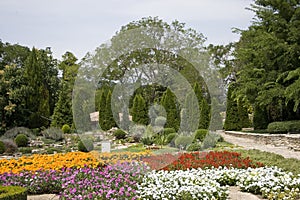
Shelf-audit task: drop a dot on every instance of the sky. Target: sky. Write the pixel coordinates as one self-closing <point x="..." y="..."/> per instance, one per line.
<point x="79" y="26"/>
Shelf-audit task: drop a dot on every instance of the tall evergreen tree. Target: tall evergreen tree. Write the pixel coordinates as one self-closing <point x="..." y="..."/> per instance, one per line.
<point x="232" y="122"/>
<point x="139" y="110"/>
<point x="102" y="108"/>
<point x="37" y="100"/>
<point x="243" y="114"/>
<point x="63" y="111"/>
<point x="109" y="118"/>
<point x="204" y="108"/>
<point x="168" y="101"/>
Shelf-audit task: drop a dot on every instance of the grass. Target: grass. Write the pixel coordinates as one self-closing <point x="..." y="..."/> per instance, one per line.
<point x="272" y="159"/>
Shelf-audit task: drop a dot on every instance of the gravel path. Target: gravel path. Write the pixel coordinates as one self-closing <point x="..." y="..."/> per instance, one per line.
<point x="246" y="143"/>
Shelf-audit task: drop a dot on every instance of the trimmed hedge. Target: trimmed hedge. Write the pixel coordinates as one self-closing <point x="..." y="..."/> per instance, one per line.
<point x="13" y="193"/>
<point x="120" y="134"/>
<point x="284" y="127"/>
<point x="21" y="140"/>
<point x="66" y="129"/>
<point x="200" y="134"/>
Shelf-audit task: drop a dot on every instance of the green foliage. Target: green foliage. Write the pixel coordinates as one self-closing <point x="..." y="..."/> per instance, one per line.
<point x="232" y="122"/>
<point x="107" y="116"/>
<point x="170" y="138"/>
<point x="2" y="147"/>
<point x="13" y="193"/>
<point x="120" y="134"/>
<point x="10" y="146"/>
<point x="102" y="108"/>
<point x="53" y="133"/>
<point x="168" y="101"/>
<point x="216" y="118"/>
<point x="244" y="120"/>
<point x="66" y="128"/>
<point x="211" y="140"/>
<point x="52" y="150"/>
<point x="284" y="127"/>
<point x="85" y="145"/>
<point x="260" y="118"/>
<point x="139" y="110"/>
<point x="267" y="61"/>
<point x="26" y="150"/>
<point x="168" y="131"/>
<point x="200" y="134"/>
<point x="148" y="140"/>
<point x="183" y="141"/>
<point x="194" y="147"/>
<point x="21" y="140"/>
<point x="160" y="121"/>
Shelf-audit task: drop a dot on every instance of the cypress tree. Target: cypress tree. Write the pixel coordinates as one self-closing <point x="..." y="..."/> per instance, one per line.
<point x="204" y="108"/>
<point x="232" y="122"/>
<point x="102" y="109"/>
<point x="173" y="115"/>
<point x="139" y="110"/>
<point x="260" y="118"/>
<point x="109" y="118"/>
<point x="243" y="114"/>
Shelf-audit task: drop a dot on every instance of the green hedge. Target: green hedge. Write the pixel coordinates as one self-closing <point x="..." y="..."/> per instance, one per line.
<point x="284" y="127"/>
<point x="13" y="193"/>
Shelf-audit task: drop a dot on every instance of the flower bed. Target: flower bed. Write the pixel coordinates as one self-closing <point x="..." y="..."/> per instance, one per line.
<point x="134" y="180"/>
<point x="73" y="159"/>
<point x="200" y="160"/>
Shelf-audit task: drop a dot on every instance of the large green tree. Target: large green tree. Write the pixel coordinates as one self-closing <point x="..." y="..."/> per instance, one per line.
<point x="267" y="56"/>
<point x="139" y="110"/>
<point x="169" y="102"/>
<point x="63" y="111"/>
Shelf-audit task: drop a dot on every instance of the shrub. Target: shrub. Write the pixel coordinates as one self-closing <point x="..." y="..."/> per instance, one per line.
<point x="200" y="134"/>
<point x="137" y="132"/>
<point x="170" y="138"/>
<point x="21" y="140"/>
<point x="168" y="131"/>
<point x="52" y="149"/>
<point x="85" y="145"/>
<point x="194" y="147"/>
<point x="66" y="129"/>
<point x="183" y="141"/>
<point x="25" y="150"/>
<point x="147" y="140"/>
<point x="284" y="127"/>
<point x="12" y="133"/>
<point x="10" y="146"/>
<point x="53" y="133"/>
<point x="13" y="193"/>
<point x="120" y="134"/>
<point x="160" y="121"/>
<point x="2" y="147"/>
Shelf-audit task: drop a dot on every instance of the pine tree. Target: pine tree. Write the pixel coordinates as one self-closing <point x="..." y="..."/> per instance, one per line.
<point x="173" y="115"/>
<point x="102" y="108"/>
<point x="109" y="118"/>
<point x="243" y="114"/>
<point x="232" y="122"/>
<point x="139" y="110"/>
<point x="204" y="108"/>
<point x="37" y="100"/>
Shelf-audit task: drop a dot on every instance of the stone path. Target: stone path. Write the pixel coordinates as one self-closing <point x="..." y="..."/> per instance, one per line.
<point x="246" y="143"/>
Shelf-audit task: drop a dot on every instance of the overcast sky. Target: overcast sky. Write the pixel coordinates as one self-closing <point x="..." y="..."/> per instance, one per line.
<point x="80" y="26"/>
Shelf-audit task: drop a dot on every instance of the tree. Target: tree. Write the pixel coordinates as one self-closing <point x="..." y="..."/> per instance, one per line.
<point x="168" y="101"/>
<point x="232" y="122"/>
<point x="109" y="118"/>
<point x="243" y="114"/>
<point x="102" y="108"/>
<point x="267" y="55"/>
<point x="204" y="108"/>
<point x="63" y="110"/>
<point x="37" y="101"/>
<point x="139" y="110"/>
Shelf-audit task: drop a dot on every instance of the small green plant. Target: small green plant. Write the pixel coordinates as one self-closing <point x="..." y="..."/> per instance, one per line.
<point x="171" y="137"/>
<point x="52" y="150"/>
<point x="194" y="147"/>
<point x="120" y="134"/>
<point x="200" y="134"/>
<point x="25" y="150"/>
<point x="21" y="140"/>
<point x="147" y="140"/>
<point x="13" y="193"/>
<point x="85" y="145"/>
<point x="168" y="131"/>
<point x="2" y="147"/>
<point x="183" y="141"/>
<point x="66" y="129"/>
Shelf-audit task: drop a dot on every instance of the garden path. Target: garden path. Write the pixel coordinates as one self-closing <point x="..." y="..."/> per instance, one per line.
<point x="246" y="143"/>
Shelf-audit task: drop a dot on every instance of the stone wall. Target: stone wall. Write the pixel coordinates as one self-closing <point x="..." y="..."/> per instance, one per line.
<point x="292" y="141"/>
